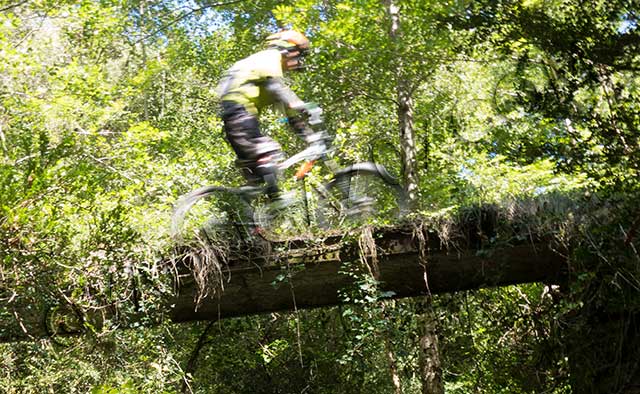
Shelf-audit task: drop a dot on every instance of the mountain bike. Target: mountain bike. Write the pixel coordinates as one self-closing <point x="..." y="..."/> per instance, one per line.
<point x="327" y="199"/>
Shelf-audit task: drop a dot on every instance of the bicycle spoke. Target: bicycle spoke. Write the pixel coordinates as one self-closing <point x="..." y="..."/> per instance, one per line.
<point x="225" y="216"/>
<point x="282" y="224"/>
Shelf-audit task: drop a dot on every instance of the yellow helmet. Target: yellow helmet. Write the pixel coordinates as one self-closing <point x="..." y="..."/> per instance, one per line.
<point x="289" y="40"/>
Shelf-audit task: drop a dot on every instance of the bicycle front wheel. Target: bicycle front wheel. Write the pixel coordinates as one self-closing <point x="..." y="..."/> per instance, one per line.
<point x="359" y="194"/>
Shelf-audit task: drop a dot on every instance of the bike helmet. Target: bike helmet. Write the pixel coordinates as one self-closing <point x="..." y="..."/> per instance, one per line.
<point x="289" y="41"/>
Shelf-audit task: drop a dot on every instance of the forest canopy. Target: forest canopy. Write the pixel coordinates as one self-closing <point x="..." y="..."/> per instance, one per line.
<point x="109" y="114"/>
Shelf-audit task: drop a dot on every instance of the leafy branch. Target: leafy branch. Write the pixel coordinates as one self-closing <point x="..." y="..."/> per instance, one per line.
<point x="185" y="15"/>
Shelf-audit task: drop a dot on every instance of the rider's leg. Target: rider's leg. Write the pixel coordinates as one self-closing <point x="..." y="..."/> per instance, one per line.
<point x="255" y="152"/>
<point x="266" y="169"/>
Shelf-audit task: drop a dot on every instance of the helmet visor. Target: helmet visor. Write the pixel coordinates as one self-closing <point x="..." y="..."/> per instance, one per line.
<point x="298" y="55"/>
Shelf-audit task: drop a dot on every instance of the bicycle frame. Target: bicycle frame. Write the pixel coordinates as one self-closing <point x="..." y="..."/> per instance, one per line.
<point x="313" y="154"/>
<point x="309" y="156"/>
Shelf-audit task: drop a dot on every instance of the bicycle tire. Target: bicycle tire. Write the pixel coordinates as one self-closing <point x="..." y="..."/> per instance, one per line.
<point x="292" y="222"/>
<point x="228" y="216"/>
<point x="358" y="194"/>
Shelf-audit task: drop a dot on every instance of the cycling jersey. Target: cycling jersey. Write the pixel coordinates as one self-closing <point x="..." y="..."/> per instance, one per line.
<point x="256" y="82"/>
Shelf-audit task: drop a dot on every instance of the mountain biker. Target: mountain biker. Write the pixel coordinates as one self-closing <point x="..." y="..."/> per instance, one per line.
<point x="253" y="84"/>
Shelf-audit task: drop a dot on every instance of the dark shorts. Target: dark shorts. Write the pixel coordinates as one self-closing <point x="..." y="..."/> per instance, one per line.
<point x="241" y="129"/>
<point x="243" y="133"/>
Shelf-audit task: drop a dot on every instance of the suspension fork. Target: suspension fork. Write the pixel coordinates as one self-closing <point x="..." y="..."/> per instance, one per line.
<point x="301" y="175"/>
<point x="333" y="167"/>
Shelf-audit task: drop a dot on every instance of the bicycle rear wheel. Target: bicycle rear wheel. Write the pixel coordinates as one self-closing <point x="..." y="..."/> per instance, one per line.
<point x="359" y="194"/>
<point x="226" y="217"/>
<point x="284" y="223"/>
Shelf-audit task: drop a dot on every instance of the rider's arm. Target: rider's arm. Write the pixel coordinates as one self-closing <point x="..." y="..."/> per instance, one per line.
<point x="294" y="107"/>
<point x="283" y="94"/>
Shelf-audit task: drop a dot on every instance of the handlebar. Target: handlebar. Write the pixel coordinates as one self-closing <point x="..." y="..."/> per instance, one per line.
<point x="319" y="140"/>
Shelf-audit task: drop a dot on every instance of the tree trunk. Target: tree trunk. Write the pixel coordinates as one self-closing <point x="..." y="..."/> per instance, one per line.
<point x="249" y="284"/>
<point x="408" y="144"/>
<point x="430" y="364"/>
<point x="393" y="367"/>
<point x="404" y="111"/>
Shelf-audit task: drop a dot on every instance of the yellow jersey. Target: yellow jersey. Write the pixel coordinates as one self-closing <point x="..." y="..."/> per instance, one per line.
<point x="244" y="81"/>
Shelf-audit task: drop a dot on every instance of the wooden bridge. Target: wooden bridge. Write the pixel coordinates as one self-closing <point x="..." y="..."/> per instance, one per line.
<point x="406" y="261"/>
<point x="261" y="277"/>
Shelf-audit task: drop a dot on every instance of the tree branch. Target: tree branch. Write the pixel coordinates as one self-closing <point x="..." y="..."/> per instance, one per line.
<point x="193" y="359"/>
<point x="11" y="6"/>
<point x="185" y="15"/>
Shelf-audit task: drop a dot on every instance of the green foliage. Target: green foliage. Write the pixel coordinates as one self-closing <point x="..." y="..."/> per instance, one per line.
<point x="108" y="114"/>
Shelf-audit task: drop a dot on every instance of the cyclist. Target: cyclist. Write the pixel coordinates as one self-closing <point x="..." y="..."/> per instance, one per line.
<point x="253" y="84"/>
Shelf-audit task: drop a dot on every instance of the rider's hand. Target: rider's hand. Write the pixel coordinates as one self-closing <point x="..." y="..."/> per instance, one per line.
<point x="310" y="111"/>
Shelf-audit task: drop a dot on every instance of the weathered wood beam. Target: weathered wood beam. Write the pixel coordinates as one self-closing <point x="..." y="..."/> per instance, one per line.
<point x="402" y="270"/>
<point x="406" y="267"/>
